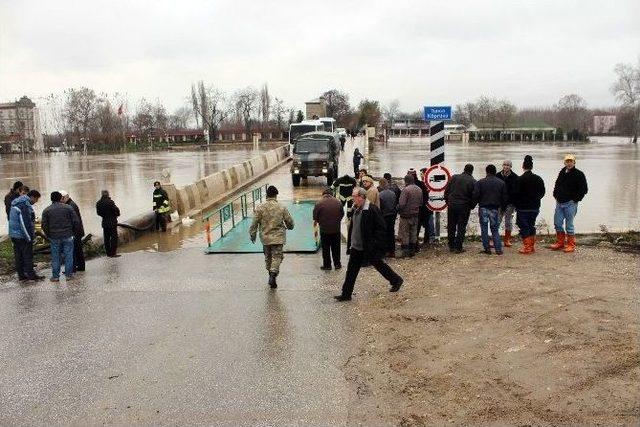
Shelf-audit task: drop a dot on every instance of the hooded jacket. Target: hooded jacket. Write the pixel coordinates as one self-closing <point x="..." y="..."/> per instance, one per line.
<point x="21" y="219"/>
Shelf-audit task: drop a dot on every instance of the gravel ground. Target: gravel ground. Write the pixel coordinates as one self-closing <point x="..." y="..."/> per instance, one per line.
<point x="546" y="339"/>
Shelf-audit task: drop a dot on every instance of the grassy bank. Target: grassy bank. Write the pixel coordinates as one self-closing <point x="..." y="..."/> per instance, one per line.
<point x="41" y="259"/>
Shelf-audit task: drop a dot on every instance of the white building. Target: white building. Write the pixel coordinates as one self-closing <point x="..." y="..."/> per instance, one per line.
<point x="603" y="124"/>
<point x="20" y="126"/>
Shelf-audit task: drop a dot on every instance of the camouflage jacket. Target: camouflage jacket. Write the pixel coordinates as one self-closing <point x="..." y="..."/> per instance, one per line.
<point x="273" y="219"/>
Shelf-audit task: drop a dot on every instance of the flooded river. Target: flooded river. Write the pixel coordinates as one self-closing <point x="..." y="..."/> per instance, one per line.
<point x="611" y="165"/>
<point x="128" y="176"/>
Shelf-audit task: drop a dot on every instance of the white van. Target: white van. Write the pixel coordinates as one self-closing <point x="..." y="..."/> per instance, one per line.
<point x="305" y="126"/>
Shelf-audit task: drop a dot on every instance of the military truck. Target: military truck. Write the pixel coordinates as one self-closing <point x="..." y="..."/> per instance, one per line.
<point x="315" y="154"/>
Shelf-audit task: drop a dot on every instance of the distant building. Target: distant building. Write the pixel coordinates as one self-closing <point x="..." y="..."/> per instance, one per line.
<point x="604" y="124"/>
<point x="20" y="126"/>
<point x="317" y="108"/>
<point x="529" y="131"/>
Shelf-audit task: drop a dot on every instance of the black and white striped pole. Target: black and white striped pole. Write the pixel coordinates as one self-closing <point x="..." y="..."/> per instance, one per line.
<point x="436" y="116"/>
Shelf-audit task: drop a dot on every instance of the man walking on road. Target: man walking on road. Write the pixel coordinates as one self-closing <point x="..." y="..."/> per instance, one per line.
<point x="490" y="193"/>
<point x="409" y="210"/>
<point x="327" y="213"/>
<point x="78" y="254"/>
<point x="367" y="237"/>
<point x="273" y="220"/>
<point x="22" y="233"/>
<point x="528" y="193"/>
<point x="509" y="177"/>
<point x="459" y="198"/>
<point x="569" y="190"/>
<point x="107" y="209"/>
<point x="357" y="157"/>
<point x="60" y="223"/>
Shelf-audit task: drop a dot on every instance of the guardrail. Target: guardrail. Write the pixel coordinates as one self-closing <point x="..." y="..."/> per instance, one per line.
<point x="228" y="212"/>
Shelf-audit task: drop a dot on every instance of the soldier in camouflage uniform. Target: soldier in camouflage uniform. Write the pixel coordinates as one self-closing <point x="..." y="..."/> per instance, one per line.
<point x="274" y="220"/>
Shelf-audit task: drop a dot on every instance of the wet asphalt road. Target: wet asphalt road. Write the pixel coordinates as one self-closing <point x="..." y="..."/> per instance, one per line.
<point x="173" y="338"/>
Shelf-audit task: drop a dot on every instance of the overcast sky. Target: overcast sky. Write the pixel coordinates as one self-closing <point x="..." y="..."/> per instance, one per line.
<point x="420" y="52"/>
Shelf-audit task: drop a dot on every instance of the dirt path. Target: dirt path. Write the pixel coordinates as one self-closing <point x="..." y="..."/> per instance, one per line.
<point x="472" y="339"/>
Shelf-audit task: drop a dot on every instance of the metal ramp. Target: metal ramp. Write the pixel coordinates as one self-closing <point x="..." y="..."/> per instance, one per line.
<point x="233" y="236"/>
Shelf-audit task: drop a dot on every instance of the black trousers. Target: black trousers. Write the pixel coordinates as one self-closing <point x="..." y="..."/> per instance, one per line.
<point x="353" y="268"/>
<point x="390" y="221"/>
<point x="526" y="222"/>
<point x="161" y="221"/>
<point x="457" y="220"/>
<point x="78" y="254"/>
<point x="330" y="249"/>
<point x="23" y="256"/>
<point x="110" y="240"/>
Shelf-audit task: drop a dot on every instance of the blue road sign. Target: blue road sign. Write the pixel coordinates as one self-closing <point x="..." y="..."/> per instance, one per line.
<point x="437" y="113"/>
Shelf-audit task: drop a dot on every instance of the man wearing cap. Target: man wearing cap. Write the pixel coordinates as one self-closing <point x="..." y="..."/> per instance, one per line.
<point x="78" y="254"/>
<point x="327" y="213"/>
<point x="509" y="177"/>
<point x="373" y="195"/>
<point x="569" y="190"/>
<point x="528" y="193"/>
<point x="273" y="220"/>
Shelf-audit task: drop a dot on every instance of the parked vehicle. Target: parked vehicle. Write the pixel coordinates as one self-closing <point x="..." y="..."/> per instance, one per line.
<point x="330" y="124"/>
<point x="315" y="154"/>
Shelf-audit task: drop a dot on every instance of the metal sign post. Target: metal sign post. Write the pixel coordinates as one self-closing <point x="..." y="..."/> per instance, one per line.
<point x="436" y="116"/>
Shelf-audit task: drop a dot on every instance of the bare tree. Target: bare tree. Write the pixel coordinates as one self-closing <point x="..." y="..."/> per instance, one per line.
<point x="245" y="102"/>
<point x="265" y="104"/>
<point x="504" y="112"/>
<point x="573" y="116"/>
<point x="390" y="112"/>
<point x="338" y="105"/>
<point x="279" y="112"/>
<point x="80" y="111"/>
<point x="209" y="107"/>
<point x="180" y="118"/>
<point x="143" y="120"/>
<point x="627" y="91"/>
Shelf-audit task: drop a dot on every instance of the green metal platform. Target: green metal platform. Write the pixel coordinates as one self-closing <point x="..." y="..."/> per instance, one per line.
<point x="304" y="237"/>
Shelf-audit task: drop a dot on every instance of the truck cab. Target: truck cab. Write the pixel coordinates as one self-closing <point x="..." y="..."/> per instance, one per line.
<point x="315" y="154"/>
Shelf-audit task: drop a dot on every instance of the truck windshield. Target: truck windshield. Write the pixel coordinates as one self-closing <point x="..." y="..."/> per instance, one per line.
<point x="297" y="130"/>
<point x="311" y="146"/>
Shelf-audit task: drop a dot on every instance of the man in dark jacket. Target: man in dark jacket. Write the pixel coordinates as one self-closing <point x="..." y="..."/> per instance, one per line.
<point x="490" y="193"/>
<point x="161" y="206"/>
<point x="529" y="191"/>
<point x="107" y="209"/>
<point x="569" y="190"/>
<point x="425" y="217"/>
<point x="509" y="177"/>
<point x="60" y="223"/>
<point x="78" y="254"/>
<point x="459" y="198"/>
<point x="392" y="185"/>
<point x="327" y="213"/>
<point x="367" y="236"/>
<point x="409" y="211"/>
<point x="22" y="233"/>
<point x="343" y="188"/>
<point x="357" y="157"/>
<point x="389" y="209"/>
<point x="13" y="194"/>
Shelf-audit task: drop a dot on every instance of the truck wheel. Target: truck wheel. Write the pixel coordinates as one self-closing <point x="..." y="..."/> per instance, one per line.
<point x="296" y="180"/>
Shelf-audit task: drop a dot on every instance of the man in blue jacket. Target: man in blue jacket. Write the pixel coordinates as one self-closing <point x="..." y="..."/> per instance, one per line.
<point x="22" y="233"/>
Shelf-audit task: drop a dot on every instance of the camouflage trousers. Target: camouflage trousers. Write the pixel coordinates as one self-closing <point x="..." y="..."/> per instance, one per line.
<point x="273" y="257"/>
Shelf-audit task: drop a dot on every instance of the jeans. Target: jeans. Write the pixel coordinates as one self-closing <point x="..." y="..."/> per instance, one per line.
<point x="526" y="221"/>
<point x="62" y="248"/>
<point x="507" y="215"/>
<point x="426" y="221"/>
<point x="23" y="256"/>
<point x="489" y="218"/>
<point x="330" y="248"/>
<point x="356" y="260"/>
<point x="457" y="220"/>
<point x="565" y="212"/>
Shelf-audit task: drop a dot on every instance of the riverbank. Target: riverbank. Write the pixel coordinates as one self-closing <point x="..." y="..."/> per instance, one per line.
<point x="546" y="339"/>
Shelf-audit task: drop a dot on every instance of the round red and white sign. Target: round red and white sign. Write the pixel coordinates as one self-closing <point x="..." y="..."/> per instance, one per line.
<point x="436" y="201"/>
<point x="437" y="177"/>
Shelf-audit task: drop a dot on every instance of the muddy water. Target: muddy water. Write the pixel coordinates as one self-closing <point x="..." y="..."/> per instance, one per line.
<point x="611" y="165"/>
<point x="128" y="176"/>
